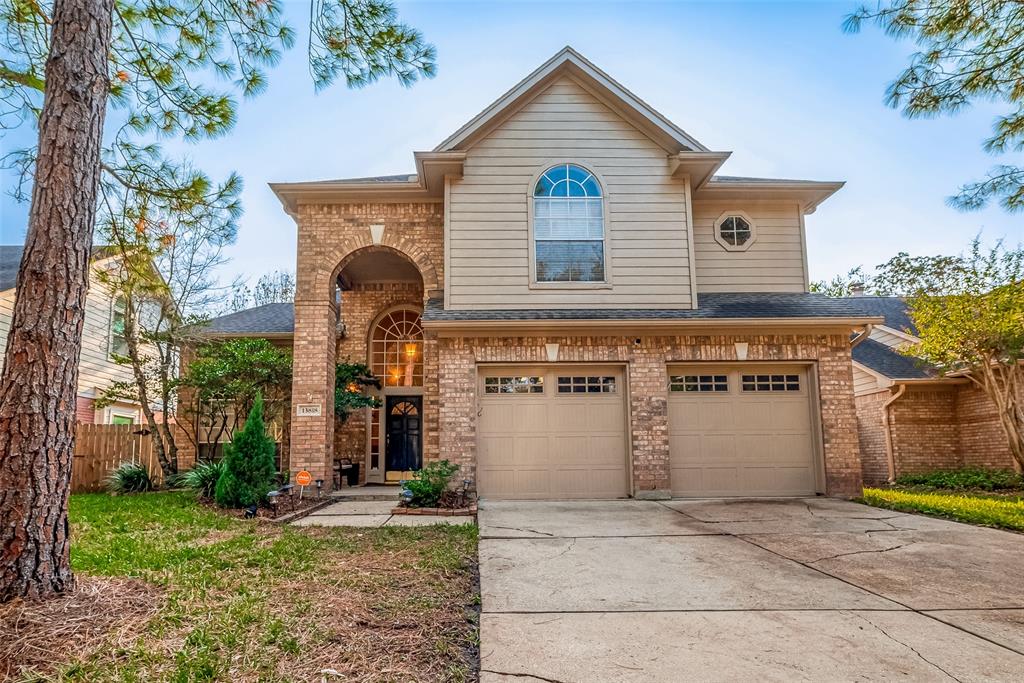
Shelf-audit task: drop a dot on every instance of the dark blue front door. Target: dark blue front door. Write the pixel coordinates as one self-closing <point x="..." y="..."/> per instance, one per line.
<point x="404" y="433"/>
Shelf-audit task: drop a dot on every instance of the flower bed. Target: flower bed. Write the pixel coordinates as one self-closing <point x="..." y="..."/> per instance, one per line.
<point x="443" y="512"/>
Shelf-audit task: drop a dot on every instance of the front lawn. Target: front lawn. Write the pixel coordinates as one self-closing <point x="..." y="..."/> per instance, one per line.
<point x="169" y="590"/>
<point x="1004" y="512"/>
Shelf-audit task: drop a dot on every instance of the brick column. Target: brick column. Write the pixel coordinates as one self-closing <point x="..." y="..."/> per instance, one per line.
<point x="456" y="405"/>
<point x="843" y="476"/>
<point x="648" y="401"/>
<point x="315" y="348"/>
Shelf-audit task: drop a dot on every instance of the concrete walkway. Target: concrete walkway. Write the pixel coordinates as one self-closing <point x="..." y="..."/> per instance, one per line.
<point x="813" y="589"/>
<point x="371" y="513"/>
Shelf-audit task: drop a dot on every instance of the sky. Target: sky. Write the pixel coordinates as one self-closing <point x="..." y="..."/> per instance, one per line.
<point x="780" y="85"/>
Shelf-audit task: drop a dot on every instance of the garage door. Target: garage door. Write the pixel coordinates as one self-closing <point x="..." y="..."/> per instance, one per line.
<point x="552" y="432"/>
<point x="741" y="431"/>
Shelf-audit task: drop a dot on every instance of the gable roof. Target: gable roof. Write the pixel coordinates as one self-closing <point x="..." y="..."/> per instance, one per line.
<point x="570" y="62"/>
<point x="887" y="361"/>
<point x="10" y="262"/>
<point x="893" y="308"/>
<point x="268" y="319"/>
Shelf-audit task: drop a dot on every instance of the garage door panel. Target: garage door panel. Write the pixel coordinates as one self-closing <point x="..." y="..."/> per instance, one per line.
<point x="742" y="442"/>
<point x="529" y="450"/>
<point x="568" y="444"/>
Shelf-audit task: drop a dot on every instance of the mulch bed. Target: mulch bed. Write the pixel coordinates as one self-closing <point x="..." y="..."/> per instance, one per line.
<point x="35" y="637"/>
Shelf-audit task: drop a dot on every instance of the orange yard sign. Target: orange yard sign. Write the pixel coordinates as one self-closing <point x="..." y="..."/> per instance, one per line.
<point x="303" y="478"/>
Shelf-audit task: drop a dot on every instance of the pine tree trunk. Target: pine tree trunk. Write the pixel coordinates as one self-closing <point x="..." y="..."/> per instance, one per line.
<point x="38" y="387"/>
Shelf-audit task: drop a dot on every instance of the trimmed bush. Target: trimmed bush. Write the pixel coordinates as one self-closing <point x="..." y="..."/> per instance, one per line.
<point x="202" y="478"/>
<point x="248" y="465"/>
<point x="129" y="477"/>
<point x="430" y="484"/>
<point x="966" y="479"/>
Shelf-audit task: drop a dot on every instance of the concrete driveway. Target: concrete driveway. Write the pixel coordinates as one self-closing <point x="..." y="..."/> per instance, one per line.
<point x="810" y="589"/>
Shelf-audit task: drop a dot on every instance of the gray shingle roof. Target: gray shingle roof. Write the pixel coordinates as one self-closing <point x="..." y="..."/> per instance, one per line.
<point x="10" y="259"/>
<point x="280" y="318"/>
<point x="892" y="308"/>
<point x="890" y="362"/>
<point x="711" y="306"/>
<point x="266" y="319"/>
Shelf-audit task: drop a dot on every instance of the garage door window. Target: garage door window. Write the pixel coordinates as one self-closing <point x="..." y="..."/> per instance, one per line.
<point x="771" y="383"/>
<point x="513" y="385"/>
<point x="699" y="383"/>
<point x="586" y="385"/>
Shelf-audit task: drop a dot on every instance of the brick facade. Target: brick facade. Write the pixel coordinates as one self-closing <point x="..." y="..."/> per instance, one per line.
<point x="932" y="427"/>
<point x="647" y="359"/>
<point x="330" y="237"/>
<point x="874" y="456"/>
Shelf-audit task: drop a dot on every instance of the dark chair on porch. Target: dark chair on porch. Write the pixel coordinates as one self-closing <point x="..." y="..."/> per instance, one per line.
<point x="347" y="471"/>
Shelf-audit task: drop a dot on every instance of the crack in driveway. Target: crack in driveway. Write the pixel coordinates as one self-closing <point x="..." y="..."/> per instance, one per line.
<point x="906" y="645"/>
<point x="863" y="552"/>
<point x="515" y="674"/>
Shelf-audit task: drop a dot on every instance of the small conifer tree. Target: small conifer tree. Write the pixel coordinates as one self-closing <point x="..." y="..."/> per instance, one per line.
<point x="248" y="473"/>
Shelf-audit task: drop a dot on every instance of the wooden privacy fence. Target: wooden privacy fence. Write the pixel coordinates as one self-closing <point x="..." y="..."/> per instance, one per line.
<point x="101" y="448"/>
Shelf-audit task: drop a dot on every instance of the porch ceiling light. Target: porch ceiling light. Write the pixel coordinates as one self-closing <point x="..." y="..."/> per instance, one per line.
<point x="410" y="351"/>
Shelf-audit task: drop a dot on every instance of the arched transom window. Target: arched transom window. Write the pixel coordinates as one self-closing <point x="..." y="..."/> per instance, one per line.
<point x="396" y="349"/>
<point x="568" y="226"/>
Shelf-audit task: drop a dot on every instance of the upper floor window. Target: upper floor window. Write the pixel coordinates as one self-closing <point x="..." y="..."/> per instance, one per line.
<point x="735" y="231"/>
<point x="568" y="226"/>
<point x="118" y="340"/>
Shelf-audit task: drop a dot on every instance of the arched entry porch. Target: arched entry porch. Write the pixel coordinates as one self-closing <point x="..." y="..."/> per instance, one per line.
<point x="370" y="314"/>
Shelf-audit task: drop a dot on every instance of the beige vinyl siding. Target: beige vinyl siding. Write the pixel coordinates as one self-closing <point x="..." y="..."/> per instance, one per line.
<point x="6" y="311"/>
<point x="645" y="225"/>
<point x="864" y="382"/>
<point x="888" y="338"/>
<point x="773" y="263"/>
<point x="96" y="371"/>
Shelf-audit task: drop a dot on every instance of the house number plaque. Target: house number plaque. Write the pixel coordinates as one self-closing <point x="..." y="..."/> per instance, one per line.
<point x="309" y="410"/>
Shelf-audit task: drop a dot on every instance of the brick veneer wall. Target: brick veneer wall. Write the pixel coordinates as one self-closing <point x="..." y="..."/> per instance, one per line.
<point x="85" y="410"/>
<point x="329" y="236"/>
<point x="925" y="433"/>
<point x="648" y="392"/>
<point x="982" y="440"/>
<point x="933" y="428"/>
<point x="874" y="458"/>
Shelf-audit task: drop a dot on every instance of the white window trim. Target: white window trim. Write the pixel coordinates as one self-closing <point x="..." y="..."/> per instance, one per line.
<point x="607" y="282"/>
<point x="110" y="325"/>
<point x="735" y="247"/>
<point x="113" y="412"/>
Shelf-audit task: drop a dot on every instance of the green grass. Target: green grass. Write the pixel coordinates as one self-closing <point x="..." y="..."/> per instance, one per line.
<point x="1003" y="512"/>
<point x="249" y="601"/>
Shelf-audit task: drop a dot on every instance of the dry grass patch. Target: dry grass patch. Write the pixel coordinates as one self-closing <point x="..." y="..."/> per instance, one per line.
<point x="230" y="600"/>
<point x="99" y="613"/>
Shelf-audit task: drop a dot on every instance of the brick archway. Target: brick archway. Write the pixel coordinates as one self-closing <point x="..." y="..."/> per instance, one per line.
<point x="355" y="246"/>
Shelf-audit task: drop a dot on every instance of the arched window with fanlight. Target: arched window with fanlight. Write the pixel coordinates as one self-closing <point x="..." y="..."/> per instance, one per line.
<point x="568" y="225"/>
<point x="396" y="349"/>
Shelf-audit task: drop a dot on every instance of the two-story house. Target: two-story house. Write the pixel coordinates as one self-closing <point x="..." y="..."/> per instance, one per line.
<point x="102" y="338"/>
<point x="566" y="300"/>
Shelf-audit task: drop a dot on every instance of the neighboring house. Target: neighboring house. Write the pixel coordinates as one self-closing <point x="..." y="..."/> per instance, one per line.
<point x="102" y="336"/>
<point x="910" y="418"/>
<point x="566" y="300"/>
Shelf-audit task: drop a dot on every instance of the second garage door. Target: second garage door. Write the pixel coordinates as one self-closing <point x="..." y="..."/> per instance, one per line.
<point x="741" y="431"/>
<point x="552" y="432"/>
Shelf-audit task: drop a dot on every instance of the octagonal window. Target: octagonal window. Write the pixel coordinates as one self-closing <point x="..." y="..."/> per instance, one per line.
<point x="735" y="231"/>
